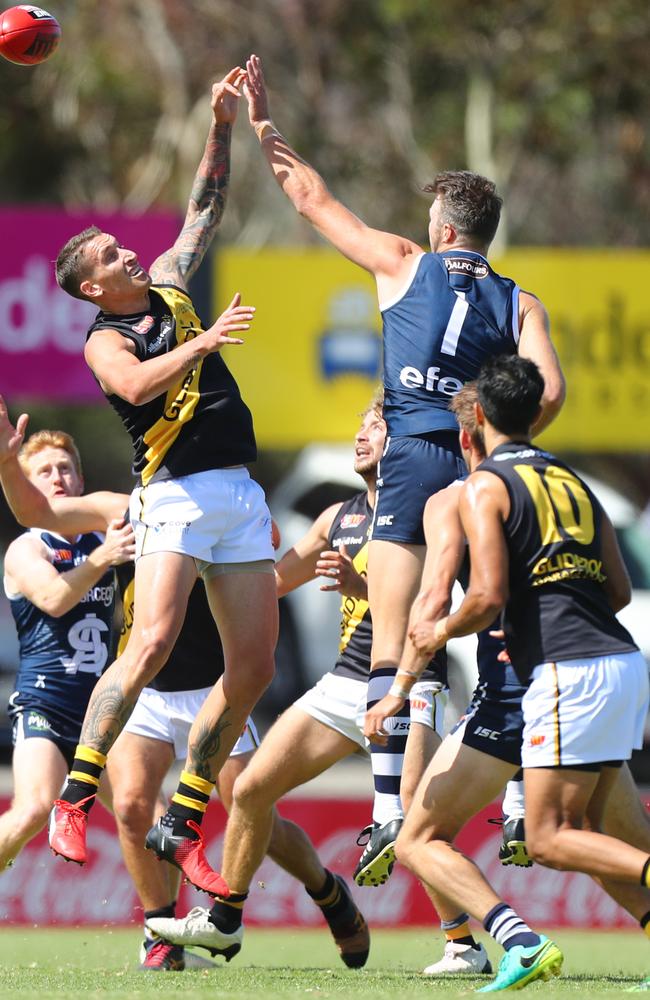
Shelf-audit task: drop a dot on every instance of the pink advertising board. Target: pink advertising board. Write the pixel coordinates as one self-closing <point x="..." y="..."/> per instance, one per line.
<point x="41" y="890"/>
<point x="42" y="330"/>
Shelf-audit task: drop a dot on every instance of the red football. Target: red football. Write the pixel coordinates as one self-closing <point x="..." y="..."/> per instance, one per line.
<point x="28" y="34"/>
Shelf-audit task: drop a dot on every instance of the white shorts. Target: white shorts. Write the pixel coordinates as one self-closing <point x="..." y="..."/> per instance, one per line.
<point x="168" y="716"/>
<point x="218" y="516"/>
<point x="340" y="703"/>
<point x="585" y="711"/>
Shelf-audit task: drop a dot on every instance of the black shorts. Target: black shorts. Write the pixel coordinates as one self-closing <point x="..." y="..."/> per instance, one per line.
<point x="410" y="471"/>
<point x="494" y="723"/>
<point x="36" y="722"/>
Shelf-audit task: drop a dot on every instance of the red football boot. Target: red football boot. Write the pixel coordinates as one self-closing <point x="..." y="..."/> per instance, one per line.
<point x="187" y="854"/>
<point x="67" y="830"/>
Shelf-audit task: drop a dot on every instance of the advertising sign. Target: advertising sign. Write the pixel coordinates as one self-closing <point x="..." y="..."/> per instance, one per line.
<point x="40" y="889"/>
<point x="43" y="330"/>
<point x="313" y="355"/>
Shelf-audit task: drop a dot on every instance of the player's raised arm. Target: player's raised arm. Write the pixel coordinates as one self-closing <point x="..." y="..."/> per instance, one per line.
<point x="208" y="198"/>
<point x="535" y="344"/>
<point x="383" y="254"/>
<point x="65" y="515"/>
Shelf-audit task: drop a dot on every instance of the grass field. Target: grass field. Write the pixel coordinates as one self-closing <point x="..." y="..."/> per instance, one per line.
<point x="91" y="963"/>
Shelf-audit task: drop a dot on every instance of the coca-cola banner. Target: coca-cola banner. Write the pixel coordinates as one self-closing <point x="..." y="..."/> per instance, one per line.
<point x="42" y="330"/>
<point x="41" y="889"/>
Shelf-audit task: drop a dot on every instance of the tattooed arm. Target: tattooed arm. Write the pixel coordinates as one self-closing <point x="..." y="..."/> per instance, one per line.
<point x="208" y="197"/>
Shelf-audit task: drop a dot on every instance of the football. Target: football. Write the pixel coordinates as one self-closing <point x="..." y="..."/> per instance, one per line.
<point x="28" y="34"/>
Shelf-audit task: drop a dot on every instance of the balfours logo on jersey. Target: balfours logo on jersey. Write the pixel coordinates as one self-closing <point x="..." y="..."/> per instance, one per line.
<point x="466" y="265"/>
<point x="413" y="378"/>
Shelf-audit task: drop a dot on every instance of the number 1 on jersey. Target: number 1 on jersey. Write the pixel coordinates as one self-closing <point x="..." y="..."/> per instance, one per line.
<point x="455" y="325"/>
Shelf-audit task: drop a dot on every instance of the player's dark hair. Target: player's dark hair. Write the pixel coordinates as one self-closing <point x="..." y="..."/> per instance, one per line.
<point x="71" y="268"/>
<point x="510" y="390"/>
<point x="470" y="203"/>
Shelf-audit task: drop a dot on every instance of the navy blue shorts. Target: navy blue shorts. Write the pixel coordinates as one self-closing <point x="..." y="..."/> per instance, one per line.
<point x="410" y="471"/>
<point x="494" y="723"/>
<point x="36" y="722"/>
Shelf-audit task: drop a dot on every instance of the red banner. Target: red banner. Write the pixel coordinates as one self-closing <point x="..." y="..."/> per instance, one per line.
<point x="41" y="889"/>
<point x="43" y="330"/>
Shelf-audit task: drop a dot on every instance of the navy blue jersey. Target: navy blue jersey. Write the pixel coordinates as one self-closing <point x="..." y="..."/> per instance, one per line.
<point x="61" y="658"/>
<point x="455" y="313"/>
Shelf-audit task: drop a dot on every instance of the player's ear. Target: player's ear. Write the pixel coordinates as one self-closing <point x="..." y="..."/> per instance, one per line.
<point x="478" y="413"/>
<point x="90" y="289"/>
<point x="465" y="440"/>
<point x="448" y="233"/>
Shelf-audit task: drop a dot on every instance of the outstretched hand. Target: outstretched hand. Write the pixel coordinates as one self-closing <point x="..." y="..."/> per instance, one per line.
<point x="255" y="91"/>
<point x="225" y="96"/>
<point x="11" y="438"/>
<point x="233" y="319"/>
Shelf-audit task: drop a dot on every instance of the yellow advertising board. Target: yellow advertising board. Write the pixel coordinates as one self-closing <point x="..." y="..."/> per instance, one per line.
<point x="313" y="356"/>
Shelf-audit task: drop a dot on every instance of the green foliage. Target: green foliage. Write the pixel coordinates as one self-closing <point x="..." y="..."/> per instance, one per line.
<point x="378" y="93"/>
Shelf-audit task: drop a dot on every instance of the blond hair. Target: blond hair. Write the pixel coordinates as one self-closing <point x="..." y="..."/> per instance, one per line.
<point x="49" y="439"/>
<point x="463" y="406"/>
<point x="376" y="404"/>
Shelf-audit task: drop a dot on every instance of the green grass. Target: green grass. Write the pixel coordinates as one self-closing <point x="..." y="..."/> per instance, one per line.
<point x="94" y="963"/>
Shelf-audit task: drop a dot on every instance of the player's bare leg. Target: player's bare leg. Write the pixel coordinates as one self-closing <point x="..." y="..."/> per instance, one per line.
<point x="557" y="802"/>
<point x="626" y="818"/>
<point x="296" y="749"/>
<point x="394" y="573"/>
<point x="136" y="767"/>
<point x="245" y="607"/>
<point x="462" y="952"/>
<point x="39" y="770"/>
<point x="156" y="625"/>
<point x="458" y="783"/>
<point x="421" y="745"/>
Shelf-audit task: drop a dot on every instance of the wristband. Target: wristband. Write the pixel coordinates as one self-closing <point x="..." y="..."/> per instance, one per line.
<point x="398" y="692"/>
<point x="408" y="673"/>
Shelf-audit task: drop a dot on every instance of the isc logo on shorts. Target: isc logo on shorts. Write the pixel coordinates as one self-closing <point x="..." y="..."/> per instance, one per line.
<point x="488" y="734"/>
<point x="385" y="520"/>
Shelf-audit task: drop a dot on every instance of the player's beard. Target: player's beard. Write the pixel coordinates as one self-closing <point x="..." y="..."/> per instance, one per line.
<point x="366" y="468"/>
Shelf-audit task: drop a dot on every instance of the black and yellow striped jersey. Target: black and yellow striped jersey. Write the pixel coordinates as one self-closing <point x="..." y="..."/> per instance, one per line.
<point x="351" y="528"/>
<point x="557" y="607"/>
<point x="201" y="422"/>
